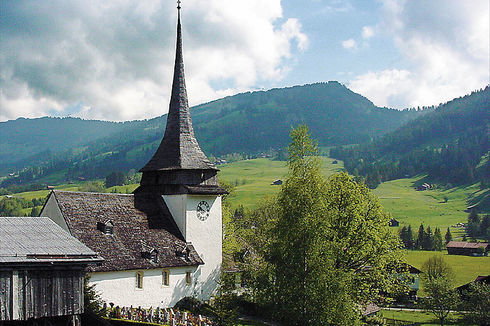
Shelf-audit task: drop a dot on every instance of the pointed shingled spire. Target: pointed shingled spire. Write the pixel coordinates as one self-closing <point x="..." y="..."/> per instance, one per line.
<point x="179" y="149"/>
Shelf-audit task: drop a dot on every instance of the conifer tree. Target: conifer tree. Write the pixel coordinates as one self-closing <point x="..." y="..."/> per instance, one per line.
<point x="419" y="243"/>
<point x="410" y="237"/>
<point x="448" y="236"/>
<point x="428" y="240"/>
<point x="403" y="236"/>
<point x="438" y="245"/>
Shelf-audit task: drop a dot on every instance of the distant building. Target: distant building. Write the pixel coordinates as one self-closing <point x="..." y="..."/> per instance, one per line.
<point x="393" y="223"/>
<point x="467" y="248"/>
<point x="41" y="271"/>
<point x="423" y="187"/>
<point x="277" y="182"/>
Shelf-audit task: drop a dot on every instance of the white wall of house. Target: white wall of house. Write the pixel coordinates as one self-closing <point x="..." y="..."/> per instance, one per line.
<point x="206" y="236"/>
<point x="120" y="287"/>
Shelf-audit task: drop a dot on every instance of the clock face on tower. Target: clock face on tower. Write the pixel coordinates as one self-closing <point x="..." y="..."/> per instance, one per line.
<point x="203" y="210"/>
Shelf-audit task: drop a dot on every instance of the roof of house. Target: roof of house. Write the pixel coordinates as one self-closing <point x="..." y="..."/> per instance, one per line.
<point x="40" y="240"/>
<point x="370" y="309"/>
<point x="140" y="222"/>
<point x="479" y="279"/>
<point x="466" y="245"/>
<point x="179" y="148"/>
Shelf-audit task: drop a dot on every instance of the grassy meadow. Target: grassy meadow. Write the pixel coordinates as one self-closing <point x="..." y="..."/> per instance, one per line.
<point x="419" y="317"/>
<point x="436" y="207"/>
<point x="252" y="178"/>
<point x="465" y="268"/>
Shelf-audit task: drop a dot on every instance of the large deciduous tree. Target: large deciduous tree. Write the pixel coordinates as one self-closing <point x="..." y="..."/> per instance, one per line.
<point x="437" y="280"/>
<point x="323" y="248"/>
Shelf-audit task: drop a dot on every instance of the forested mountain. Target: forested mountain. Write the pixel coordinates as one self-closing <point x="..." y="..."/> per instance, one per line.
<point x="245" y="123"/>
<point x="451" y="144"/>
<point x="22" y="139"/>
<point x="252" y="122"/>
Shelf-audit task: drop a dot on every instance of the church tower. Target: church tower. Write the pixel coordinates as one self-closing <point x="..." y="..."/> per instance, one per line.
<point x="181" y="173"/>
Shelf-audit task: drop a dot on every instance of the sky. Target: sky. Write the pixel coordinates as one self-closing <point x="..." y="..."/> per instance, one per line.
<point x="113" y="59"/>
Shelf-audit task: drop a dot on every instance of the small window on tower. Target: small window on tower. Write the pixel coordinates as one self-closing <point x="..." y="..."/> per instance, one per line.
<point x="139" y="280"/>
<point x="188" y="278"/>
<point x="165" y="277"/>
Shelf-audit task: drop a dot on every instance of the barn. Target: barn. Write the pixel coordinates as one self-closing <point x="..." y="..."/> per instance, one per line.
<point x="467" y="248"/>
<point x="42" y="270"/>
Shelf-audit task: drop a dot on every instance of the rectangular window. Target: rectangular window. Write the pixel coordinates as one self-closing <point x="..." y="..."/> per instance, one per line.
<point x="165" y="277"/>
<point x="139" y="280"/>
<point x="188" y="278"/>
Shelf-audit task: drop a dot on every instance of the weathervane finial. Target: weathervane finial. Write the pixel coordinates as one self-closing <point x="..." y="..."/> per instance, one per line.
<point x="178" y="4"/>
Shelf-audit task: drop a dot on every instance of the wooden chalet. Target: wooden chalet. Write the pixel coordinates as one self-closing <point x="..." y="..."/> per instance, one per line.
<point x="41" y="271"/>
<point x="467" y="248"/>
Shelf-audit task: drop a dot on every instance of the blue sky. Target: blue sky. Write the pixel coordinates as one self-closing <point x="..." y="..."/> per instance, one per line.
<point x="113" y="59"/>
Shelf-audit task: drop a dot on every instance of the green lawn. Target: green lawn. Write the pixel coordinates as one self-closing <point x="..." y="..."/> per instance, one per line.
<point x="465" y="268"/>
<point x="252" y="178"/>
<point x="428" y="207"/>
<point x="422" y="317"/>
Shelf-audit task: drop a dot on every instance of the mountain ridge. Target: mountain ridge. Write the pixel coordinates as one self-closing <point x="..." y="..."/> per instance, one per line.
<point x="249" y="122"/>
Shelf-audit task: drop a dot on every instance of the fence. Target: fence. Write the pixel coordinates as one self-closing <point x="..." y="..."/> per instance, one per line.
<point x="163" y="316"/>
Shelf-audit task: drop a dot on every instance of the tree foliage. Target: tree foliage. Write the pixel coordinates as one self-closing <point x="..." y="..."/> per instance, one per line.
<point x="437" y="280"/>
<point x="477" y="303"/>
<point x="322" y="248"/>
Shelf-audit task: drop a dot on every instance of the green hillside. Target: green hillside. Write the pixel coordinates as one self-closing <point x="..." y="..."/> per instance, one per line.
<point x="257" y="121"/>
<point x="253" y="179"/>
<point x="245" y="123"/>
<point x="22" y="139"/>
<point x="449" y="144"/>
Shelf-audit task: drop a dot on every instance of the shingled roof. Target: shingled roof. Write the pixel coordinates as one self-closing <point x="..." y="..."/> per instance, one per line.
<point x="179" y="148"/>
<point x="466" y="245"/>
<point x="140" y="222"/>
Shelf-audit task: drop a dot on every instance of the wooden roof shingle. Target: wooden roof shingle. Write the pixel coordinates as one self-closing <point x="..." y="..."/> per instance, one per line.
<point x="140" y="221"/>
<point x="179" y="148"/>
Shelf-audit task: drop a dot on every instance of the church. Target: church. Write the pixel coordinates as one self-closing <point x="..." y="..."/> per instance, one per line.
<point x="164" y="241"/>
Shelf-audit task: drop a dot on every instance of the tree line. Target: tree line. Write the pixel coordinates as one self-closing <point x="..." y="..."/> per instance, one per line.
<point x="425" y="239"/>
<point x="16" y="206"/>
<point x="478" y="227"/>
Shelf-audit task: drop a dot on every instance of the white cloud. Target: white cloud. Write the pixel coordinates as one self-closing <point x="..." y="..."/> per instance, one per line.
<point x="367" y="32"/>
<point x="113" y="59"/>
<point x="349" y="44"/>
<point x="446" y="45"/>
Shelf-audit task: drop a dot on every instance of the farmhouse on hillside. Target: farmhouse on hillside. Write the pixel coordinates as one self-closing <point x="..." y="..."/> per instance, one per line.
<point x="41" y="271"/>
<point x="467" y="248"/>
<point x="164" y="241"/>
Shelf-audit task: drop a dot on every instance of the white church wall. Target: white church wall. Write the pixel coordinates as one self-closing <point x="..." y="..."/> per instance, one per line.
<point x="206" y="237"/>
<point x="120" y="287"/>
<point x="177" y="207"/>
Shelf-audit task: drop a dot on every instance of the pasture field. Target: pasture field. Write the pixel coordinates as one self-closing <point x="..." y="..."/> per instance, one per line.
<point x="419" y="317"/>
<point x="435" y="208"/>
<point x="252" y="178"/>
<point x="465" y="268"/>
